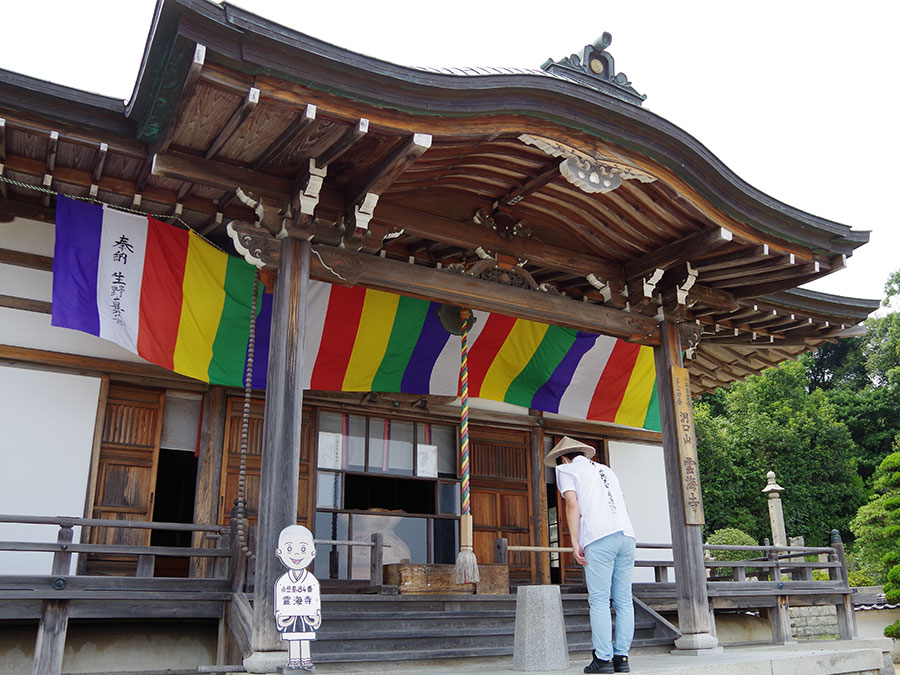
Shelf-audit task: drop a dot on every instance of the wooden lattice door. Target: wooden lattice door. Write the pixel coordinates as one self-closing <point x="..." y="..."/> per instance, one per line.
<point x="501" y="495"/>
<point x="232" y="462"/>
<point x="126" y="472"/>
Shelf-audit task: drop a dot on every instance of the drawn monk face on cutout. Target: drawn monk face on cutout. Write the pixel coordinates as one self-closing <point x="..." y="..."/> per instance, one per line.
<point x="295" y="547"/>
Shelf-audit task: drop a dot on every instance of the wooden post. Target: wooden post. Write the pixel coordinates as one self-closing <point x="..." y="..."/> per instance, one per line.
<point x="209" y="472"/>
<point x="694" y="619"/>
<point x="51" y="635"/>
<point x="540" y="526"/>
<point x="846" y="617"/>
<point x="280" y="462"/>
<point x="501" y="552"/>
<point x="376" y="560"/>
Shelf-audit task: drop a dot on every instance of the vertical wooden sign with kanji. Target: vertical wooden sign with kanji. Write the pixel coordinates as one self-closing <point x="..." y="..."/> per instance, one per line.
<point x="687" y="447"/>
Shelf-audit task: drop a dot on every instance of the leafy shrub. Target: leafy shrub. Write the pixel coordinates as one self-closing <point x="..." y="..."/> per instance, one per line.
<point x="731" y="536"/>
<point x="893" y="631"/>
<point x="820" y="575"/>
<point x="861" y="578"/>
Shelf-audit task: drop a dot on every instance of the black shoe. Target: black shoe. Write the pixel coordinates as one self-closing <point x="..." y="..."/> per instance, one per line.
<point x="599" y="666"/>
<point x="620" y="664"/>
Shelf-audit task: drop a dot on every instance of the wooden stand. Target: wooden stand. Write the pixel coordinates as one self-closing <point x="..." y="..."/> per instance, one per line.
<point x="419" y="579"/>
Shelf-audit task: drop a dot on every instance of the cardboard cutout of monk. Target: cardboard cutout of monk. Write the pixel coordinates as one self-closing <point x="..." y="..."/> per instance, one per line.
<point x="298" y="611"/>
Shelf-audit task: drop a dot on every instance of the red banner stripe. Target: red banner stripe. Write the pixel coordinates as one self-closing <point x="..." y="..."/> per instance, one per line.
<point x="161" y="292"/>
<point x="610" y="389"/>
<point x="345" y="307"/>
<point x="484" y="350"/>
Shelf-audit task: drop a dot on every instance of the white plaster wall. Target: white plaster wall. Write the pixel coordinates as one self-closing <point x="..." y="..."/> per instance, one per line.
<point x="642" y="475"/>
<point x="46" y="433"/>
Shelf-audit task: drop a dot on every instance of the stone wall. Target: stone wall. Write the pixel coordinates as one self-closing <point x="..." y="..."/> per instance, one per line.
<point x="814" y="623"/>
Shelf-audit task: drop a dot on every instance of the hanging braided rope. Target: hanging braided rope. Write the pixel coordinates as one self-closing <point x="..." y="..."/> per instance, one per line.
<point x="466" y="563"/>
<point x="464" y="417"/>
<point x="241" y="502"/>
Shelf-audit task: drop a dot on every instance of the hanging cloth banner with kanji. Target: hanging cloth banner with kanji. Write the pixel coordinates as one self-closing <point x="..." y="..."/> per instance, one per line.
<point x="164" y="293"/>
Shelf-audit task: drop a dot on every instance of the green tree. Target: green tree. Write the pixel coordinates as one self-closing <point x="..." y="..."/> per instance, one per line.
<point x="877" y="527"/>
<point x="772" y="422"/>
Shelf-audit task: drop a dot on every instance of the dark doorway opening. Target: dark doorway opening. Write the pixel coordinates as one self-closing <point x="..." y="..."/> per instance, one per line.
<point x="176" y="480"/>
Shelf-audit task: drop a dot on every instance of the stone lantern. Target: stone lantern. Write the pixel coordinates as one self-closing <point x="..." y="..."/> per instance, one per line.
<point x="776" y="512"/>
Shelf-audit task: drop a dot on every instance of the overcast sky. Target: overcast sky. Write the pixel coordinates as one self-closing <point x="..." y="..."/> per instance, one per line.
<point x="798" y="97"/>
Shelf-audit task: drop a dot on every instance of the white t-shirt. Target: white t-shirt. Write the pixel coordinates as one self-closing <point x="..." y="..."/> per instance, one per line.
<point x="600" y="500"/>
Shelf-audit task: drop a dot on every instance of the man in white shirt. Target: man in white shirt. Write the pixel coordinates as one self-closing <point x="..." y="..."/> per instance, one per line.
<point x="603" y="539"/>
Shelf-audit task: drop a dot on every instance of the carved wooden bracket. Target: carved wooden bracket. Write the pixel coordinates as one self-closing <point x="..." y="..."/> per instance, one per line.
<point x="255" y="244"/>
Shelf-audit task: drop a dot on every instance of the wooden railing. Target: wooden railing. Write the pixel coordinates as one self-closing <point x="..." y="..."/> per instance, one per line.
<point x="767" y="582"/>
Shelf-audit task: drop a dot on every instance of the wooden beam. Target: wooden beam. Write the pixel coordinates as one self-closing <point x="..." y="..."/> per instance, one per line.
<point x="25" y="304"/>
<point x="220" y="175"/>
<point x="233" y="123"/>
<point x="300" y="127"/>
<point x="209" y="471"/>
<point x="471" y="236"/>
<point x="29" y="260"/>
<point x="683" y="250"/>
<point x="92" y="364"/>
<point x="348" y="268"/>
<point x="51" y="635"/>
<point x="344" y="143"/>
<point x="545" y="176"/>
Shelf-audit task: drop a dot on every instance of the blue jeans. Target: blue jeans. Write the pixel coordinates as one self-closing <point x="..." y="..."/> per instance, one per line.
<point x="610" y="564"/>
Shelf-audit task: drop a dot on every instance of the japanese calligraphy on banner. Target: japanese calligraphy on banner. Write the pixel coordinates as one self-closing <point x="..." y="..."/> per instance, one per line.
<point x="687" y="447"/>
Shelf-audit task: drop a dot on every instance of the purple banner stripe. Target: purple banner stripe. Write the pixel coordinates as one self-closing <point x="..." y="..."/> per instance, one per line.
<point x="431" y="342"/>
<point x="261" y="344"/>
<point x="547" y="398"/>
<point x="76" y="256"/>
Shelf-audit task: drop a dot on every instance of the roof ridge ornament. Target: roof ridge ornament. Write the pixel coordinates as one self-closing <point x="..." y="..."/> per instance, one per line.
<point x="596" y="68"/>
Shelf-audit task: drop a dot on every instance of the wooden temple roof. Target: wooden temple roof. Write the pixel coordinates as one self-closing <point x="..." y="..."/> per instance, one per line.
<point x="503" y="170"/>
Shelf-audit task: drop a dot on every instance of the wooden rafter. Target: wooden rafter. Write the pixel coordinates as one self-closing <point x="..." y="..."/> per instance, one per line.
<point x="547" y="174"/>
<point x="3" y="190"/>
<point x="161" y="145"/>
<point x="788" y="272"/>
<point x="299" y="129"/>
<point x="364" y="193"/>
<point x="52" y="148"/>
<point x="681" y="251"/>
<point x="806" y="273"/>
<point x="743" y="256"/>
<point x="752" y="270"/>
<point x="344" y="143"/>
<point x="234" y="122"/>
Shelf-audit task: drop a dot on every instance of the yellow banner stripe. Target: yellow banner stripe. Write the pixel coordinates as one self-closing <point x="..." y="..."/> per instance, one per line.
<point x="633" y="408"/>
<point x="201" y="308"/>
<point x="375" y="324"/>
<point x="517" y="350"/>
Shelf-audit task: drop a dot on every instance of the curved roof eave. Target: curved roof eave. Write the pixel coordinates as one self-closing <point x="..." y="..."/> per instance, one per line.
<point x="264" y="47"/>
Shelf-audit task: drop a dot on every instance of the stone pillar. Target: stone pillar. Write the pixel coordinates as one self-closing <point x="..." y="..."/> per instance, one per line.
<point x="540" y="639"/>
<point x="280" y="463"/>
<point x="694" y="617"/>
<point x="776" y="512"/>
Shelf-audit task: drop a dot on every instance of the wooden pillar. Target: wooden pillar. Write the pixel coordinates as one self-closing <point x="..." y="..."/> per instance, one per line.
<point x="51" y="636"/>
<point x="280" y="462"/>
<point x="209" y="473"/>
<point x="694" y="620"/>
<point x="541" y="530"/>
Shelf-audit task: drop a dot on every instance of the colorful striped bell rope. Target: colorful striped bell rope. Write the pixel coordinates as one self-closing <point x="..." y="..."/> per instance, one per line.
<point x="466" y="563"/>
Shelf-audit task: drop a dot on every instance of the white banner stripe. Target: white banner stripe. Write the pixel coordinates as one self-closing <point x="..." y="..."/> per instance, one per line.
<point x="576" y="400"/>
<point x="120" y="272"/>
<point x="319" y="294"/>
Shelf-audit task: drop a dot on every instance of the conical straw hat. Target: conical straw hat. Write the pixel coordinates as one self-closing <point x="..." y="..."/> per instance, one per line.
<point x="565" y="446"/>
